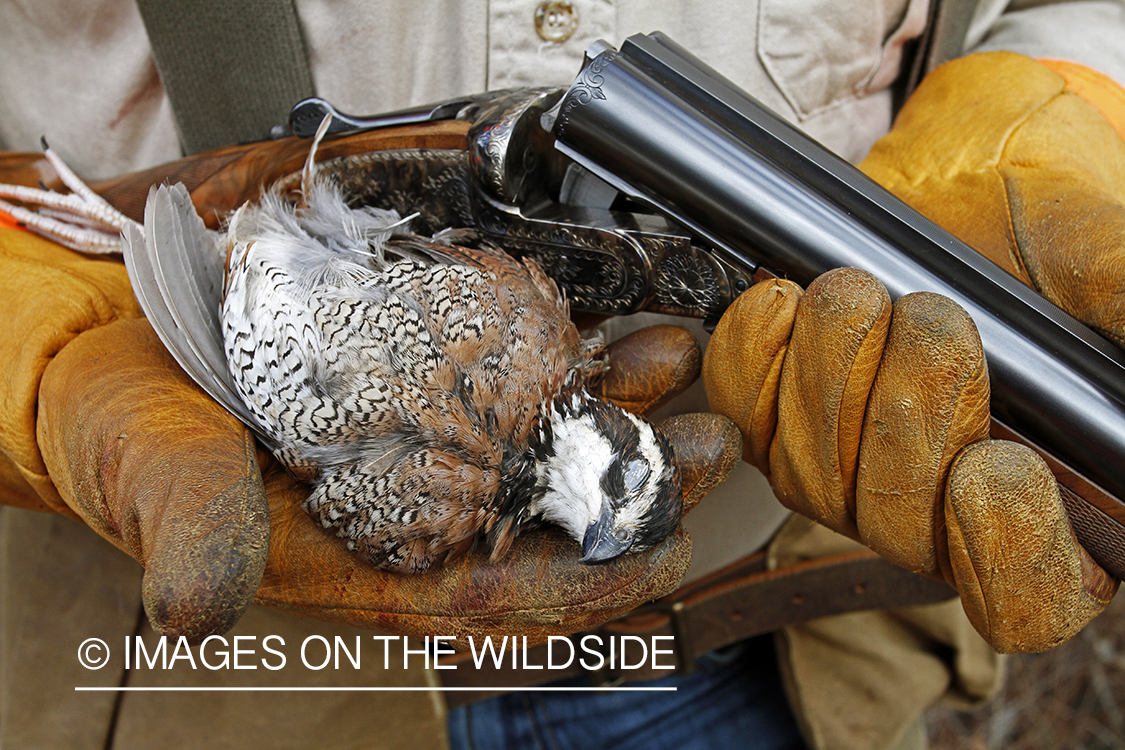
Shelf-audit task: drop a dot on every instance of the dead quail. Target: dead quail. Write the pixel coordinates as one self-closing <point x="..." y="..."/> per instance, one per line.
<point x="435" y="394"/>
<point x="435" y="390"/>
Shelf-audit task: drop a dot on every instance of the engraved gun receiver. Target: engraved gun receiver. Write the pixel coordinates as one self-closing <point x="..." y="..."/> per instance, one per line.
<point x="516" y="188"/>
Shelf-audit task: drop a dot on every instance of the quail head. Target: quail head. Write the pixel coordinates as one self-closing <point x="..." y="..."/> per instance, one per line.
<point x="434" y="393"/>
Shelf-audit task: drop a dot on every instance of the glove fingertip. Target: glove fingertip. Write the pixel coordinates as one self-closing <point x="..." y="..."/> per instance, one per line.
<point x="208" y="556"/>
<point x="707" y="448"/>
<point x="742" y="363"/>
<point x="1013" y="554"/>
<point x="650" y="367"/>
<point x="823" y="394"/>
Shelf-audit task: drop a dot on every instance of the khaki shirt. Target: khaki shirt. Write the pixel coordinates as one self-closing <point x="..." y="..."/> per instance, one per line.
<point x="82" y="75"/>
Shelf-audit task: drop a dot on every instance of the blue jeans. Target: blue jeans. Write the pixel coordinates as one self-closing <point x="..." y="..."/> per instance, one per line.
<point x="734" y="699"/>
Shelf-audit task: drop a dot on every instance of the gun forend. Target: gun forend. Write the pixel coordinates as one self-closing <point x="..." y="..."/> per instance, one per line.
<point x="662" y="127"/>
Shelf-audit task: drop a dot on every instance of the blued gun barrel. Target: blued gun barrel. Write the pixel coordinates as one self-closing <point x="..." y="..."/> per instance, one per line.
<point x="662" y="127"/>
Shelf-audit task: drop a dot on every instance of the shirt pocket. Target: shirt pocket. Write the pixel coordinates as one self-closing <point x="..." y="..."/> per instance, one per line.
<point x="822" y="53"/>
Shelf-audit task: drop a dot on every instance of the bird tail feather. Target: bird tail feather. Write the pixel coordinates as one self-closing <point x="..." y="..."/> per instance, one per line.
<point x="176" y="266"/>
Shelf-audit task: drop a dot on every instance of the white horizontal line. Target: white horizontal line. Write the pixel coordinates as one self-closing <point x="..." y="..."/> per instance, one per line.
<point x="310" y="689"/>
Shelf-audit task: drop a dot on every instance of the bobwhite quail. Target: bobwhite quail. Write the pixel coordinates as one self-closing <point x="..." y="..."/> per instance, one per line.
<point x="435" y="390"/>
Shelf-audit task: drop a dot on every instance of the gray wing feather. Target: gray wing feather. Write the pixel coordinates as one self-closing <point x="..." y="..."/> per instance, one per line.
<point x="176" y="269"/>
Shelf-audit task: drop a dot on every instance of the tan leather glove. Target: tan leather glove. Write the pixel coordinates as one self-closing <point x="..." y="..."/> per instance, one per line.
<point x="873" y="418"/>
<point x="102" y="425"/>
<point x="998" y="150"/>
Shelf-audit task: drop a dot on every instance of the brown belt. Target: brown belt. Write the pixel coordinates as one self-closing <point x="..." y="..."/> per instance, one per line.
<point x="737" y="602"/>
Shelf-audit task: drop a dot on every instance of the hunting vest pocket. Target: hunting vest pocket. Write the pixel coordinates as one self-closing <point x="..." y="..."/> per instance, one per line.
<point x="822" y="53"/>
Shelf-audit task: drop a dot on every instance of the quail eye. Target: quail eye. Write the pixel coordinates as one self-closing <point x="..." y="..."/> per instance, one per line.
<point x="636" y="472"/>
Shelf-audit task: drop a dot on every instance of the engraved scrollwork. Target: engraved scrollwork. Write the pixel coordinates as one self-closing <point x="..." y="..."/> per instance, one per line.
<point x="489" y="148"/>
<point x="696" y="282"/>
<point x="586" y="88"/>
<point x="599" y="270"/>
<point x="499" y="153"/>
<point x="589" y="83"/>
<point x="431" y="182"/>
<point x="585" y="277"/>
<point x="686" y="281"/>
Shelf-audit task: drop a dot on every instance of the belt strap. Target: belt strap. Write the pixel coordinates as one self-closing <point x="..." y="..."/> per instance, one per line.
<point x="734" y="603"/>
<point x="232" y="70"/>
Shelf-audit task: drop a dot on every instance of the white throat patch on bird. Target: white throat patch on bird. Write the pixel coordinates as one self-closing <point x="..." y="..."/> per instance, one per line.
<point x="417" y="381"/>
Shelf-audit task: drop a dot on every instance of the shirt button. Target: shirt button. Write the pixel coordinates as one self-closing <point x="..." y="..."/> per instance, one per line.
<point x="556" y="21"/>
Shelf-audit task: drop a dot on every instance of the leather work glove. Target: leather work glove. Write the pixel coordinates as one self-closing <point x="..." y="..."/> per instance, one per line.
<point x="102" y="425"/>
<point x="883" y="433"/>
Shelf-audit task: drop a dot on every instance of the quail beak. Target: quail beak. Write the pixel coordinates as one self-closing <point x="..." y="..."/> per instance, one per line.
<point x="600" y="543"/>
